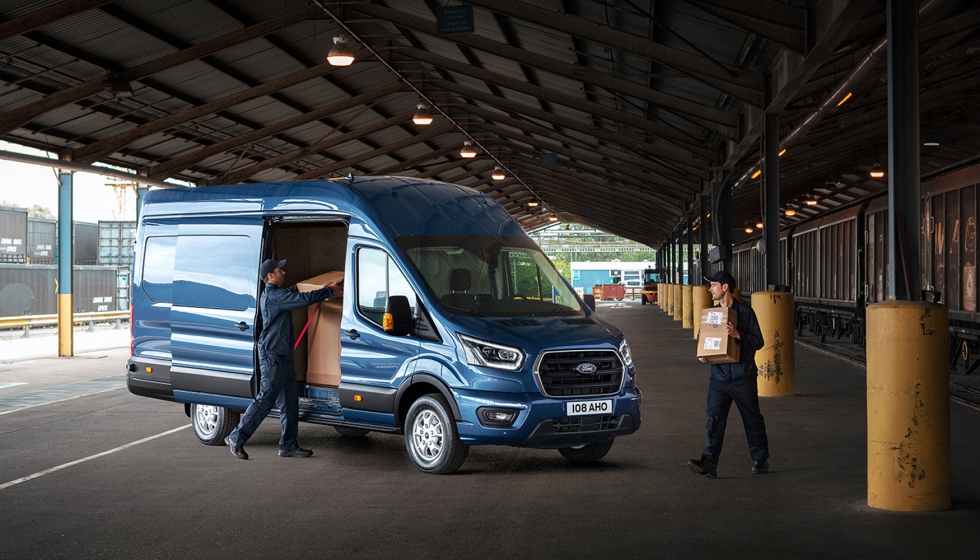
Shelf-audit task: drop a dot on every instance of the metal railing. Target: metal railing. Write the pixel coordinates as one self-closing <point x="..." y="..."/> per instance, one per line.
<point x="27" y="322"/>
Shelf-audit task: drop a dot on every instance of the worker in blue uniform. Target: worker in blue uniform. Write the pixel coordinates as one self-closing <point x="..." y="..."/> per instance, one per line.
<point x="736" y="383"/>
<point x="277" y="384"/>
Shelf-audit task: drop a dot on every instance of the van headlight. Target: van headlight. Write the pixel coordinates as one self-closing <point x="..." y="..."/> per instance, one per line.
<point x="487" y="354"/>
<point x="624" y="349"/>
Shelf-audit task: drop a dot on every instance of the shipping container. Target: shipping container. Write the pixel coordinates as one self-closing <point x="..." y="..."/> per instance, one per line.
<point x="13" y="235"/>
<point x="116" y="242"/>
<point x="94" y="288"/>
<point x="123" y="281"/>
<point x="86" y="243"/>
<point x="41" y="240"/>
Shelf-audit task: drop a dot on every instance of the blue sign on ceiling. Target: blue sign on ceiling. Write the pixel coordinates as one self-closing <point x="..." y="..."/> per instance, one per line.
<point x="454" y="19"/>
<point x="548" y="160"/>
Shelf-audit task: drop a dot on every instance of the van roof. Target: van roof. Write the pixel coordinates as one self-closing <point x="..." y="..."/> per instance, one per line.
<point x="399" y="205"/>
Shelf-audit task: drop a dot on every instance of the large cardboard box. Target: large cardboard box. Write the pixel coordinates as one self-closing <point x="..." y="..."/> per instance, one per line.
<point x="323" y="336"/>
<point x="714" y="344"/>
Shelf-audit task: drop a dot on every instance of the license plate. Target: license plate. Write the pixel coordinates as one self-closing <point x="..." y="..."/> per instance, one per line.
<point x="589" y="407"/>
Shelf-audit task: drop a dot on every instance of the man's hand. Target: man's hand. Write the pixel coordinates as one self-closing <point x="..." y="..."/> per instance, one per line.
<point x="733" y="332"/>
<point x="338" y="289"/>
<point x="703" y="360"/>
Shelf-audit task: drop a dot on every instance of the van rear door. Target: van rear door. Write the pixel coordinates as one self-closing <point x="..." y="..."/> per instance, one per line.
<point x="216" y="270"/>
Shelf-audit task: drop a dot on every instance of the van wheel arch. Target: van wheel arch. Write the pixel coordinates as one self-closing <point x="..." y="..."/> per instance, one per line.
<point x="416" y="386"/>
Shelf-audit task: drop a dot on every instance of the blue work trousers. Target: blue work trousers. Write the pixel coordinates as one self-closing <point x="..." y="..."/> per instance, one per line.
<point x="745" y="394"/>
<point x="277" y="386"/>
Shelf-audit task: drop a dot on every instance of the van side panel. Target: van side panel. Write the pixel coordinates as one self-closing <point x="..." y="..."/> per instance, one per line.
<point x="215" y="296"/>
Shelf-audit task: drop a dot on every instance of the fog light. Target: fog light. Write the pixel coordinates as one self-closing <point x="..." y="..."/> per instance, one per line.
<point x="149" y="370"/>
<point x="497" y="416"/>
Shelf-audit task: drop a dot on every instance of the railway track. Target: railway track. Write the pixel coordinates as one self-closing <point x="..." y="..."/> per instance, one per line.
<point x="958" y="392"/>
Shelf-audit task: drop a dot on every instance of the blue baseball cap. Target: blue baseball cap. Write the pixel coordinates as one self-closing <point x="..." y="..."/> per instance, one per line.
<point x="721" y="277"/>
<point x="268" y="266"/>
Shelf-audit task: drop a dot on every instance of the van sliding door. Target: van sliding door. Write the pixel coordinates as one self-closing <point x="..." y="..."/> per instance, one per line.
<point x="213" y="315"/>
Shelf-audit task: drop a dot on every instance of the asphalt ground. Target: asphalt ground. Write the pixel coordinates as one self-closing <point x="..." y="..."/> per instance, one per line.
<point x="171" y="497"/>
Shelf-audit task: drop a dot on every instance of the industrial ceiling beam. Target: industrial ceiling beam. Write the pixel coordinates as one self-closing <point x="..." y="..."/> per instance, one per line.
<point x="695" y="145"/>
<point x="737" y="82"/>
<point x="776" y="21"/>
<point x="409" y="164"/>
<point x="50" y="14"/>
<point x="181" y="163"/>
<point x="17" y="117"/>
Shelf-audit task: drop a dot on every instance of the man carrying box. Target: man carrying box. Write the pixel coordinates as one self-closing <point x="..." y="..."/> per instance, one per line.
<point x="278" y="382"/>
<point x="734" y="382"/>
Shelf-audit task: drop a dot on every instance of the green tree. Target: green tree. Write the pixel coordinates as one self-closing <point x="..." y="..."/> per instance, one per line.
<point x="564" y="268"/>
<point x="38" y="211"/>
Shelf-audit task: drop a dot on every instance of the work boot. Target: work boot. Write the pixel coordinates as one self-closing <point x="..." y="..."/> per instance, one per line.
<point x="298" y="452"/>
<point x="704" y="467"/>
<point x="236" y="449"/>
<point x="761" y="467"/>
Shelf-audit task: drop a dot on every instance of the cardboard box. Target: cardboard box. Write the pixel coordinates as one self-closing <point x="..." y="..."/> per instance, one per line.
<point x="323" y="336"/>
<point x="714" y="344"/>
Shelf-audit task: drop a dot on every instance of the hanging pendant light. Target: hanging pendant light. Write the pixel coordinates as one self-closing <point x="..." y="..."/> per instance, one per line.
<point x="422" y="115"/>
<point x="498" y="174"/>
<point x="810" y="201"/>
<point x="790" y="212"/>
<point x="340" y="54"/>
<point x="876" y="171"/>
<point x="467" y="151"/>
<point x="533" y="203"/>
<point x="552" y="218"/>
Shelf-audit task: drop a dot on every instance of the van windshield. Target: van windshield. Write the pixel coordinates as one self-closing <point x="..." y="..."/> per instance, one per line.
<point x="490" y="276"/>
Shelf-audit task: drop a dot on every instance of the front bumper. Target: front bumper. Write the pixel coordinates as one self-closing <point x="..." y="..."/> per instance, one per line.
<point x="543" y="422"/>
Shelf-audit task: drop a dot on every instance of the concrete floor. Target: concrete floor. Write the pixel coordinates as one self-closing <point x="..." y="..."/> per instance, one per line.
<point x="171" y="497"/>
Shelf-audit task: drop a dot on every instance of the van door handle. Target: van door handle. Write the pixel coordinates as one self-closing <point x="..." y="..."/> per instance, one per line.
<point x="242" y="326"/>
<point x="353" y="334"/>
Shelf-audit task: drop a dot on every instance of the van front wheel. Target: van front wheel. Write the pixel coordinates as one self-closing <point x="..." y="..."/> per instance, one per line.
<point x="586" y="453"/>
<point x="431" y="437"/>
<point x="212" y="424"/>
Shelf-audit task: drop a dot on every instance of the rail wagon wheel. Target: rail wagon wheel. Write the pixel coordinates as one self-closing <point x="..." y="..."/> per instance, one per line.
<point x="965" y="354"/>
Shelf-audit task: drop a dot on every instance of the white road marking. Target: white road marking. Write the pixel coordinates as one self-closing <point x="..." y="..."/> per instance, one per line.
<point x="89" y="458"/>
<point x="60" y="400"/>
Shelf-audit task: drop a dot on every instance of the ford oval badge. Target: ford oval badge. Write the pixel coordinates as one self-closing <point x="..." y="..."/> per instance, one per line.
<point x="586" y="368"/>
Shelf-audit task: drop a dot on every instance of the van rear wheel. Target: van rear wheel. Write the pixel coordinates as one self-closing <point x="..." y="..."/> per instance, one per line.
<point x="431" y="437"/>
<point x="212" y="424"/>
<point x="586" y="453"/>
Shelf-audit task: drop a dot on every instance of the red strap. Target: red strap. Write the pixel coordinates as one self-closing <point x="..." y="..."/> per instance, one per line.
<point x="308" y="321"/>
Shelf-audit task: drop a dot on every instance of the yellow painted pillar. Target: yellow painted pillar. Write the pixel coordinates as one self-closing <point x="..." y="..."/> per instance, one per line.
<point x="670" y="300"/>
<point x="65" y="327"/>
<point x="678" y="302"/>
<point x="908" y="406"/>
<point x="700" y="299"/>
<point x="687" y="312"/>
<point x="776" y="359"/>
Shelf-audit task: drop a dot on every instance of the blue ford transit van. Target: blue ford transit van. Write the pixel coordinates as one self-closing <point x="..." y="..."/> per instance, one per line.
<point x="455" y="329"/>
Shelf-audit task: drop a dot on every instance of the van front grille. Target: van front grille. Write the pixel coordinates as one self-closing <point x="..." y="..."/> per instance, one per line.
<point x="566" y="374"/>
<point x="585" y="424"/>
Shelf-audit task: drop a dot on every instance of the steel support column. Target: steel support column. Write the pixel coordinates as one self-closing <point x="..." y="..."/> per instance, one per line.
<point x="904" y="281"/>
<point x="721" y="207"/>
<point x="770" y="181"/>
<point x="703" y="237"/>
<point x="690" y="248"/>
<point x="66" y="259"/>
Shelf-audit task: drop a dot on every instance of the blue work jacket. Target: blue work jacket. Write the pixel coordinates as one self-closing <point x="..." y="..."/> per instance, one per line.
<point x="276" y="304"/>
<point x="750" y="341"/>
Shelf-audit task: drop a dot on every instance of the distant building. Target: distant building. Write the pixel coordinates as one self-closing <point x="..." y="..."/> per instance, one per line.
<point x="588" y="274"/>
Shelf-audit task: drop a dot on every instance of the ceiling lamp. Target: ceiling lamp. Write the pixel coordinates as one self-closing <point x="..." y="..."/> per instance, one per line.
<point x="759" y="225"/>
<point x="533" y="203"/>
<point x="783" y="151"/>
<point x="876" y="171"/>
<point x="340" y="54"/>
<point x="931" y="143"/>
<point x="757" y="173"/>
<point x="552" y="218"/>
<point x="467" y="151"/>
<point x="422" y="115"/>
<point x="748" y="230"/>
<point x="498" y="174"/>
<point x="568" y="227"/>
<point x="810" y="201"/>
<point x="790" y="212"/>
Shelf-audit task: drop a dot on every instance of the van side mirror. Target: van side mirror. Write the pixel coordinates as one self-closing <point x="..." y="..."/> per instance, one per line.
<point x="589" y="300"/>
<point x="398" y="319"/>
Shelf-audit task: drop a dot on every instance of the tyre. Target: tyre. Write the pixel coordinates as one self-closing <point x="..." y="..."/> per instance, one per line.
<point x="586" y="453"/>
<point x="347" y="431"/>
<point x="431" y="437"/>
<point x="212" y="424"/>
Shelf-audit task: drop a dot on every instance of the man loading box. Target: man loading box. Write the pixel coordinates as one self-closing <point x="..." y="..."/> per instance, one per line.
<point x="734" y="382"/>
